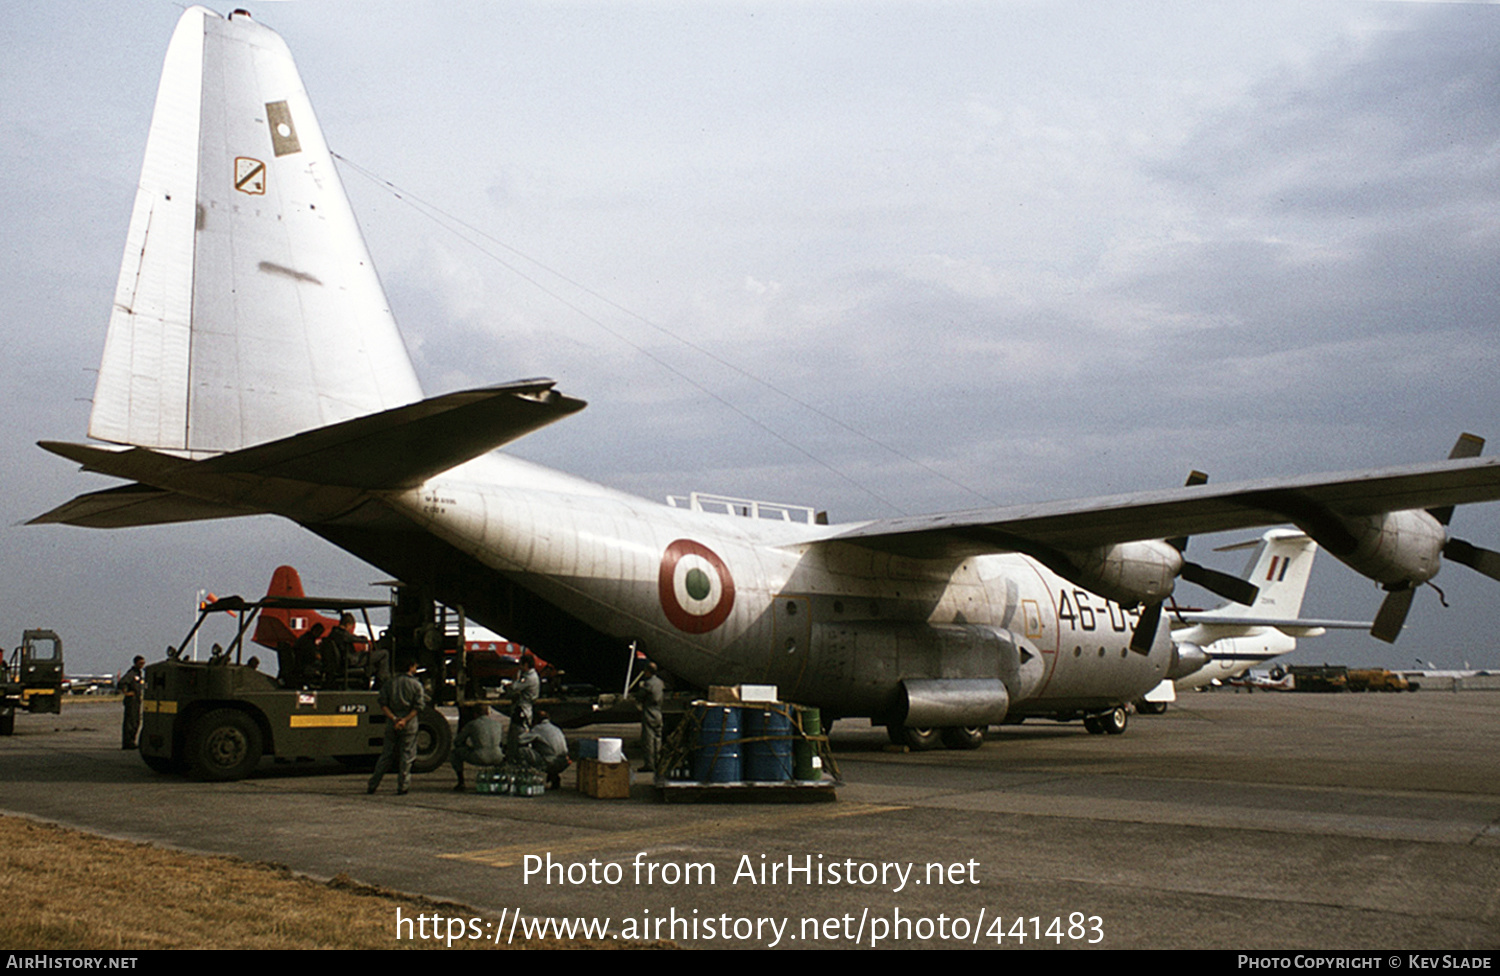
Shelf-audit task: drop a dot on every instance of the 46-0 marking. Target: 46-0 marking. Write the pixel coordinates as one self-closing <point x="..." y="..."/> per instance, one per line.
<point x="1080" y="613"/>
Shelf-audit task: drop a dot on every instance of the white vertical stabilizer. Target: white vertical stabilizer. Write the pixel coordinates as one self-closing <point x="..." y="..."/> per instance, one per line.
<point x="1280" y="567"/>
<point x="248" y="308"/>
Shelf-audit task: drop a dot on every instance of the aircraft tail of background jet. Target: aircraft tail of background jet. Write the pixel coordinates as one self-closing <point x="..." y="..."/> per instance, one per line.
<point x="1216" y="645"/>
<point x="275" y="625"/>
<point x="1279" y="567"/>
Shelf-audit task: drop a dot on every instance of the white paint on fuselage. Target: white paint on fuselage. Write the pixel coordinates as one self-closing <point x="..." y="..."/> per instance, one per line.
<point x="1230" y="657"/>
<point x="596" y="554"/>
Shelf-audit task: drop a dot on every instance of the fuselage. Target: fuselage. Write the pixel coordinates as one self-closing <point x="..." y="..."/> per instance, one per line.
<point x="1231" y="656"/>
<point x="724" y="599"/>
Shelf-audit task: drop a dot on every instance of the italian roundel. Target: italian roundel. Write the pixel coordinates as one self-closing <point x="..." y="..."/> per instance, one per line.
<point x="696" y="589"/>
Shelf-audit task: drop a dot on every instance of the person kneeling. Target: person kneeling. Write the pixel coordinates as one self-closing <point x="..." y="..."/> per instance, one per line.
<point x="544" y="747"/>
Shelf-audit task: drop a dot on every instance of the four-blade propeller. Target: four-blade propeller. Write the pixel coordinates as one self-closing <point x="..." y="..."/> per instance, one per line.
<point x="1398" y="600"/>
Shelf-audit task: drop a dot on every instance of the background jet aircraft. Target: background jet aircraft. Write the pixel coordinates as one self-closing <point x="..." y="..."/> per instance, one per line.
<point x="1234" y="638"/>
<point x="253" y="366"/>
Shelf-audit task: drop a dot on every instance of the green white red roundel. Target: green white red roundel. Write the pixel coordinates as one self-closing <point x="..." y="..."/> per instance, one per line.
<point x="696" y="589"/>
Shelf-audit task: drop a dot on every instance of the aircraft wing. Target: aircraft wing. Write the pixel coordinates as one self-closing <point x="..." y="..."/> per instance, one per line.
<point x="1088" y="523"/>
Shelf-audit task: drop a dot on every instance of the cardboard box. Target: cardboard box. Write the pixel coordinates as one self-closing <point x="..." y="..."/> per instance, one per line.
<point x="735" y="694"/>
<point x="604" y="781"/>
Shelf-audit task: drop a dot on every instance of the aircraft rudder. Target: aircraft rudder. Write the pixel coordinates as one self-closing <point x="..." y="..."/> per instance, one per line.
<point x="140" y="396"/>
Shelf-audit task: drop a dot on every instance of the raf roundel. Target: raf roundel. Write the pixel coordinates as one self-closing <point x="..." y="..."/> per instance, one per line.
<point x="696" y="589"/>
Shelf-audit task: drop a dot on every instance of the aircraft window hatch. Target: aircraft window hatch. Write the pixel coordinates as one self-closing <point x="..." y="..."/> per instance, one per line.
<point x="748" y="508"/>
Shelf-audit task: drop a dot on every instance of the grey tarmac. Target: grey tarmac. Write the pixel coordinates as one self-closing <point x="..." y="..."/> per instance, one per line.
<point x="1233" y="821"/>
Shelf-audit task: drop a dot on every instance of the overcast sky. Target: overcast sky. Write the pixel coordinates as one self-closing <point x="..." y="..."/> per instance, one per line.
<point x="877" y="258"/>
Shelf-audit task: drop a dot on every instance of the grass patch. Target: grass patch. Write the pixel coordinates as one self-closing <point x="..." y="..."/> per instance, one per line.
<point x="64" y="889"/>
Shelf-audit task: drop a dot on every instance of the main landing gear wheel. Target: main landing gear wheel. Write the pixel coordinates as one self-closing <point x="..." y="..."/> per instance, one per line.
<point x="963" y="736"/>
<point x="223" y="745"/>
<point x="915" y="739"/>
<point x="1112" y="722"/>
<point x="1151" y="707"/>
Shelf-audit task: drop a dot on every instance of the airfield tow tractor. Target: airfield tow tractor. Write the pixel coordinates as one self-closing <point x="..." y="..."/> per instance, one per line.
<point x="32" y="678"/>
<point x="215" y="720"/>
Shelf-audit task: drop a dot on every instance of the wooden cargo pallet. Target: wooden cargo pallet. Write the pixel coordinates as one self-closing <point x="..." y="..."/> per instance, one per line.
<point x="791" y="791"/>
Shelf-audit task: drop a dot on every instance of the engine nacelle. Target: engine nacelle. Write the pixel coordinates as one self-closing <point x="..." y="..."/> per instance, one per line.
<point x="942" y="702"/>
<point x="1395" y="548"/>
<point x="1187" y="658"/>
<point x="1131" y="573"/>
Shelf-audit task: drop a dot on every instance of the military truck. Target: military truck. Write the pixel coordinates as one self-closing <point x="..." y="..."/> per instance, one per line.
<point x="31" y="678"/>
<point x="1321" y="679"/>
<point x="216" y="719"/>
<point x="1378" y="679"/>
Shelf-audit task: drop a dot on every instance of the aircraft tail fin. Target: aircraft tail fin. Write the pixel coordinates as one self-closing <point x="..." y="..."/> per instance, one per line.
<point x="285" y="581"/>
<point x="1280" y="567"/>
<point x="277" y="626"/>
<point x="247" y="308"/>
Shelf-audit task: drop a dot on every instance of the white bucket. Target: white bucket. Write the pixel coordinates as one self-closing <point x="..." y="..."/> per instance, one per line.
<point x="611" y="751"/>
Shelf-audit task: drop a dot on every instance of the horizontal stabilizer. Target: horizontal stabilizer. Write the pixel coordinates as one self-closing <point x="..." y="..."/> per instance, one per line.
<point x="404" y="446"/>
<point x="1280" y="623"/>
<point x="133" y="505"/>
<point x="391" y="450"/>
<point x="136" y="463"/>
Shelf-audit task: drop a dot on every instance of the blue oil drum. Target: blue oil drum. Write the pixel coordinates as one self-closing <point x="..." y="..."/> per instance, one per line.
<point x="768" y="745"/>
<point x="717" y="757"/>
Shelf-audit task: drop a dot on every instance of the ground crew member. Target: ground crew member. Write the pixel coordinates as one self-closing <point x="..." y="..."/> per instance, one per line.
<point x="305" y="658"/>
<point x="133" y="686"/>
<point x="481" y="742"/>
<point x="650" y="693"/>
<point x="335" y="650"/>
<point x="545" y="747"/>
<point x="401" y="700"/>
<point x="524" y="692"/>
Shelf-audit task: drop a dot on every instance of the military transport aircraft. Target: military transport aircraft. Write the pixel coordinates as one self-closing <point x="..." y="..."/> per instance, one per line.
<point x="252" y="365"/>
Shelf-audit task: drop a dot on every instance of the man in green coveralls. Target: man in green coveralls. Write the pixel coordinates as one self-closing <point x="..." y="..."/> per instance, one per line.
<point x="481" y="742"/>
<point x="401" y="700"/>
